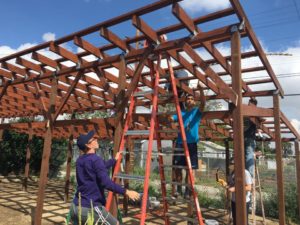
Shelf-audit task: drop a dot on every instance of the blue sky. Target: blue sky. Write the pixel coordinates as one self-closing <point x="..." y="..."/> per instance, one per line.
<point x="276" y="23"/>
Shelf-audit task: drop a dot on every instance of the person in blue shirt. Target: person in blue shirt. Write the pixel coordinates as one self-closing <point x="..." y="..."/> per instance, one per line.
<point x="191" y="116"/>
<point x="92" y="180"/>
<point x="249" y="140"/>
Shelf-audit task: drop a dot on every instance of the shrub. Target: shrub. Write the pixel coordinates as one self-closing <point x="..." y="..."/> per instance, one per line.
<point x="271" y="204"/>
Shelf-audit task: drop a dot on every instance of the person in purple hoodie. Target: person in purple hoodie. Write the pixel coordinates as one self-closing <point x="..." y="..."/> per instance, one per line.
<point x="92" y="179"/>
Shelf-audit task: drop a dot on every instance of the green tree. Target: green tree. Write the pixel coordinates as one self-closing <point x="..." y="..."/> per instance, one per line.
<point x="13" y="154"/>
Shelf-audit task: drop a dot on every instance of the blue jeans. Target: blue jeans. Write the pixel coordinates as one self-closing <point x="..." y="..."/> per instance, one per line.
<point x="249" y="145"/>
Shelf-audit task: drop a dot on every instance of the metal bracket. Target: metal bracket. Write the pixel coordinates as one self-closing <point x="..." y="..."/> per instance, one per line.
<point x="238" y="27"/>
<point x="242" y="25"/>
<point x="78" y="65"/>
<point x="234" y="28"/>
<point x="276" y="92"/>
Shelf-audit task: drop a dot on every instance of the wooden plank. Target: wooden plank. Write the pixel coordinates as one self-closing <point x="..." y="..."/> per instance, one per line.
<point x="184" y="18"/>
<point x="238" y="135"/>
<point x="63" y="52"/>
<point x="145" y="29"/>
<point x="88" y="47"/>
<point x="45" y="60"/>
<point x="113" y="38"/>
<point x="279" y="166"/>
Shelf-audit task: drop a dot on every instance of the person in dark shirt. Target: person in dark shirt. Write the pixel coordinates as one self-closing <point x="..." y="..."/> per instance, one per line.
<point x="92" y="180"/>
<point x="249" y="140"/>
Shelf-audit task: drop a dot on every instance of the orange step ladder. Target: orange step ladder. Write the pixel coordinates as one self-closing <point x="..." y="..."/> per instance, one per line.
<point x="153" y="133"/>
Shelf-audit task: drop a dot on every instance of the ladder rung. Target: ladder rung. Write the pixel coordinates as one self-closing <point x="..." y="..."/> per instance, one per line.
<point x="171" y="148"/>
<point x="137" y="132"/>
<point x="142" y="93"/>
<point x="168" y="131"/>
<point x="176" y="183"/>
<point x="129" y="177"/>
<point x="166" y="95"/>
<point x="171" y="153"/>
<point x="182" y="217"/>
<point x="174" y="166"/>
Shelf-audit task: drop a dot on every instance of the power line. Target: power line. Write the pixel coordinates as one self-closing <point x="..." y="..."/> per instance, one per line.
<point x="289" y="95"/>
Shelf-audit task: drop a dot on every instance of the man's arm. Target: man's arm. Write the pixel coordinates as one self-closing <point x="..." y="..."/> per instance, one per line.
<point x="202" y="98"/>
<point x="109" y="163"/>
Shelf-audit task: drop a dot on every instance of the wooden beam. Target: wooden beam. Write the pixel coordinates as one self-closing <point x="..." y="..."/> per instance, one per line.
<point x="238" y="135"/>
<point x="4" y="88"/>
<point x="224" y="88"/>
<point x="69" y="160"/>
<point x="253" y="111"/>
<point x="289" y="125"/>
<point x="279" y="166"/>
<point x="119" y="124"/>
<point x="67" y="95"/>
<point x="113" y="38"/>
<point x="297" y="153"/>
<point x="208" y="45"/>
<point x="243" y="17"/>
<point x="28" y="155"/>
<point x="46" y="156"/>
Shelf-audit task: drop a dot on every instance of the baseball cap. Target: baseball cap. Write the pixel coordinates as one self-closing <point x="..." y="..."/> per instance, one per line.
<point x="84" y="139"/>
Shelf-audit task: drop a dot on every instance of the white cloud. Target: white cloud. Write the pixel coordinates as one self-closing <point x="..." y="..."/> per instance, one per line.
<point x="48" y="36"/>
<point x="204" y="5"/>
<point x="296" y="124"/>
<point x="6" y="50"/>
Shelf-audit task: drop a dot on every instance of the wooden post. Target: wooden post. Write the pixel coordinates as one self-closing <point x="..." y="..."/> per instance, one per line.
<point x="127" y="171"/>
<point x="28" y="155"/>
<point x="46" y="155"/>
<point x="279" y="166"/>
<point x="68" y="167"/>
<point x="298" y="172"/>
<point x="227" y="155"/>
<point x="1" y="130"/>
<point x="238" y="135"/>
<point x="119" y="122"/>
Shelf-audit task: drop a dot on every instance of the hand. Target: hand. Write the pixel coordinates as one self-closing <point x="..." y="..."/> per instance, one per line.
<point x="133" y="195"/>
<point x="231" y="189"/>
<point x="117" y="155"/>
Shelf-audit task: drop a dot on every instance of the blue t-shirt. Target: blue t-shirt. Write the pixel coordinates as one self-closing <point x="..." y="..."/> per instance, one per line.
<point x="92" y="179"/>
<point x="191" y="121"/>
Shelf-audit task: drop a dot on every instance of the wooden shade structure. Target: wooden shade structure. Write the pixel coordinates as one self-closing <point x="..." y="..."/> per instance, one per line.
<point x="49" y="80"/>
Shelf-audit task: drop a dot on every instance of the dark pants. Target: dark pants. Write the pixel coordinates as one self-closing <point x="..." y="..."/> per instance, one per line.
<point x="101" y="216"/>
<point x="233" y="209"/>
<point x="180" y="160"/>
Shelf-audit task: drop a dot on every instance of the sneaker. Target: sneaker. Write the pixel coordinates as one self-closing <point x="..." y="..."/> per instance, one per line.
<point x="187" y="193"/>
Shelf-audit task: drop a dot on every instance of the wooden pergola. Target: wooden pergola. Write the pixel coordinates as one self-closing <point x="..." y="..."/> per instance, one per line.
<point x="50" y="80"/>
